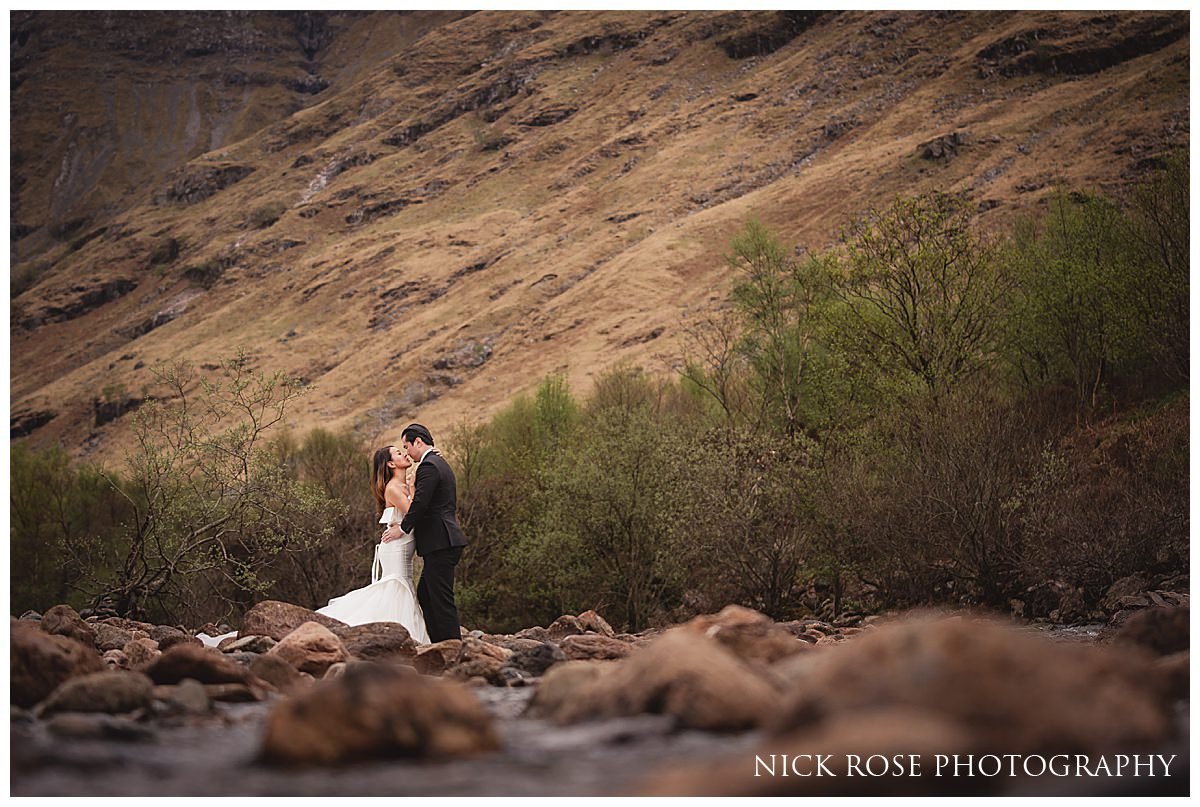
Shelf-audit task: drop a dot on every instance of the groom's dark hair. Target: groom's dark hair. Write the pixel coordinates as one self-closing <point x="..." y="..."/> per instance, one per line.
<point x="415" y="430"/>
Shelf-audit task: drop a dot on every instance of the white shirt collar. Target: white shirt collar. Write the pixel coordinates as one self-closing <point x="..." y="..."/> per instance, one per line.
<point x="424" y="455"/>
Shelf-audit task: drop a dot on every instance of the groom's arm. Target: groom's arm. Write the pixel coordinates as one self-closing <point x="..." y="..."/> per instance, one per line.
<point x="423" y="488"/>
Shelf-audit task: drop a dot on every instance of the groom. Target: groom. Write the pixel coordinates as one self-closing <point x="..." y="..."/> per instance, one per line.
<point x="438" y="537"/>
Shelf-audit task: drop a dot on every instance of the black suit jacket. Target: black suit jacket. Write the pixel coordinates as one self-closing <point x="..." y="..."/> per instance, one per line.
<point x="431" y="515"/>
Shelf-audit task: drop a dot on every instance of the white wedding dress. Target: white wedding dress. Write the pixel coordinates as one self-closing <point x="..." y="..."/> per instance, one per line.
<point x="391" y="597"/>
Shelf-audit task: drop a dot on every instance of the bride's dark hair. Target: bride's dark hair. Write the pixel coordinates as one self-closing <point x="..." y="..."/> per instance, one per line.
<point x="381" y="474"/>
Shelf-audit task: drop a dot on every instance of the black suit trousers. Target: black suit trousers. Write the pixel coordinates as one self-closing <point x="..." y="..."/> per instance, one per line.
<point x="435" y="593"/>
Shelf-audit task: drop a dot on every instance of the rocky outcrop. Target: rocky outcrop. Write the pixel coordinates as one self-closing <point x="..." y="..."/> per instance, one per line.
<point x="376" y="710"/>
<point x="196" y="183"/>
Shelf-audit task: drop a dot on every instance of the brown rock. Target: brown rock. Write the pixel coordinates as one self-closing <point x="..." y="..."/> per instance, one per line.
<point x="187" y="696"/>
<point x="1135" y="585"/>
<point x="514" y="643"/>
<point x="565" y="625"/>
<point x="167" y="637"/>
<point x="750" y="635"/>
<point x="435" y="658"/>
<point x="234" y="693"/>
<point x="310" y="648"/>
<point x="537" y="633"/>
<point x="62" y="620"/>
<point x="110" y="692"/>
<point x="592" y="621"/>
<point x="40" y="662"/>
<point x="110" y="637"/>
<point x="141" y="652"/>
<point x="206" y="665"/>
<point x="279" y="674"/>
<point x="594" y="647"/>
<point x="564" y="686"/>
<point x="247" y="644"/>
<point x="1011" y="690"/>
<point x="682" y="674"/>
<point x="131" y="625"/>
<point x="377" y="710"/>
<point x="535" y="660"/>
<point x="1161" y="630"/>
<point x="477" y="658"/>
<point x="278" y="619"/>
<point x="377" y="640"/>
<point x="116" y="659"/>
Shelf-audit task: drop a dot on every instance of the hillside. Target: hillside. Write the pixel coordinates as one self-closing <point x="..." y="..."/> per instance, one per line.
<point x="423" y="214"/>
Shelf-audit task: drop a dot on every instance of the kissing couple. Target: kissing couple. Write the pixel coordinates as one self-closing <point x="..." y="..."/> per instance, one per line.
<point x="421" y="520"/>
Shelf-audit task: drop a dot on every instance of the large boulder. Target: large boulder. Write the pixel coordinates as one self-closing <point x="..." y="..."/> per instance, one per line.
<point x="62" y="620"/>
<point x="378" y="641"/>
<point x="376" y="710"/>
<point x="277" y="619"/>
<point x="111" y="692"/>
<point x="40" y="662"/>
<point x="688" y="676"/>
<point x="1013" y="691"/>
<point x="310" y="648"/>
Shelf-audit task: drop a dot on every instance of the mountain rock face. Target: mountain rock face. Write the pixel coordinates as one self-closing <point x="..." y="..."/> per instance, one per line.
<point x="421" y="214"/>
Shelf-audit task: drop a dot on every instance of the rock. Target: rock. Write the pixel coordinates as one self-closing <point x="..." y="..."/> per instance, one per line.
<point x="377" y="710"/>
<point x="594" y="647"/>
<point x="894" y="734"/>
<point x="1162" y="630"/>
<point x="513" y="643"/>
<point x="131" y="625"/>
<point x="750" y="635"/>
<point x="32" y="615"/>
<point x="433" y="659"/>
<point x="248" y="644"/>
<point x="278" y="619"/>
<point x="280" y="674"/>
<point x="334" y="671"/>
<point x="40" y="662"/>
<point x="565" y="625"/>
<point x="944" y="146"/>
<point x="235" y="693"/>
<point x="1010" y="690"/>
<point x="1133" y="585"/>
<point x="537" y="659"/>
<point x="477" y="658"/>
<point x="111" y="692"/>
<point x="110" y="637"/>
<point x="188" y="696"/>
<point x="590" y="620"/>
<point x="564" y="686"/>
<point x="81" y="726"/>
<point x="116" y="659"/>
<point x="206" y="665"/>
<point x="310" y="648"/>
<point x="140" y="652"/>
<point x="62" y="620"/>
<point x="536" y="633"/>
<point x="688" y="676"/>
<point x="167" y="637"/>
<point x="377" y="640"/>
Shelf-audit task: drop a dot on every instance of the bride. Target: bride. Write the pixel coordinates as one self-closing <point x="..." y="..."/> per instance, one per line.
<point x="391" y="596"/>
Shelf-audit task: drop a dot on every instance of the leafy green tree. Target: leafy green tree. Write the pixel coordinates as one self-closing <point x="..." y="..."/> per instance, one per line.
<point x="922" y="294"/>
